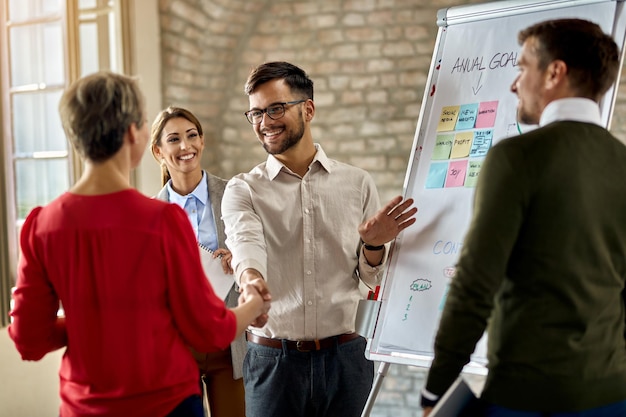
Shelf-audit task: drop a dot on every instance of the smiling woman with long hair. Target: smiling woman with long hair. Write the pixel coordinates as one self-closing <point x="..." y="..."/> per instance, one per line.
<point x="177" y="144"/>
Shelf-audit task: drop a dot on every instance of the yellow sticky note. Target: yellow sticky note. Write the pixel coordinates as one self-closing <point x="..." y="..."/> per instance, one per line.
<point x="447" y="120"/>
<point x="462" y="145"/>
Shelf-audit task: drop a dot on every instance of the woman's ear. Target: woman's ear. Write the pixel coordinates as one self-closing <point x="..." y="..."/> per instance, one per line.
<point x="133" y="133"/>
<point x="156" y="152"/>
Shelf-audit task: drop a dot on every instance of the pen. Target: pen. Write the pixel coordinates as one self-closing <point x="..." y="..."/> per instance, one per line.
<point x="376" y="291"/>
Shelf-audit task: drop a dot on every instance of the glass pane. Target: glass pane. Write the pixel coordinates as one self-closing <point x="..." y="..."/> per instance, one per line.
<point x="98" y="43"/>
<point x="88" y="48"/>
<point x="113" y="44"/>
<point x="20" y="10"/>
<point x="36" y="123"/>
<point x="87" y="4"/>
<point x="37" y="54"/>
<point x="39" y="181"/>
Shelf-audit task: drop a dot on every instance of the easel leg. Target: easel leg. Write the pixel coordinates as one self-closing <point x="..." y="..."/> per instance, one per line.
<point x="378" y="381"/>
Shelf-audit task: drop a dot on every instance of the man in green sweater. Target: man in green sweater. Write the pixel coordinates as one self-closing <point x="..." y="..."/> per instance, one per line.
<point x="543" y="265"/>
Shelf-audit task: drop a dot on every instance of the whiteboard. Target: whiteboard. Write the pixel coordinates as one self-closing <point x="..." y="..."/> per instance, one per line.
<point x="467" y="108"/>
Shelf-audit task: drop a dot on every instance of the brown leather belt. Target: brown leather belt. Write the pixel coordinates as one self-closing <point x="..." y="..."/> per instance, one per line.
<point x="301" y="345"/>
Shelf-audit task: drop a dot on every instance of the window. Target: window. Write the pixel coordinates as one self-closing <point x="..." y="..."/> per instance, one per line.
<point x="45" y="45"/>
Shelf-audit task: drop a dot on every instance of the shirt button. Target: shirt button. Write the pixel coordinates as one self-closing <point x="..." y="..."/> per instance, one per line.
<point x="308" y="272"/>
<point x="306" y="211"/>
<point x="310" y="302"/>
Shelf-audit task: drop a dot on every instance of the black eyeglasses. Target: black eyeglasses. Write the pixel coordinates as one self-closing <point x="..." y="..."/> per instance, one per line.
<point x="274" y="112"/>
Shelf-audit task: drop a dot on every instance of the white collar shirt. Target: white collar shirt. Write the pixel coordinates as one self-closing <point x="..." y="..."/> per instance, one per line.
<point x="301" y="234"/>
<point x="574" y="108"/>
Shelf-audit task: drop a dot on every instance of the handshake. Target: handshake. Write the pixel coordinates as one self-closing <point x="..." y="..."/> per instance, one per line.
<point x="255" y="298"/>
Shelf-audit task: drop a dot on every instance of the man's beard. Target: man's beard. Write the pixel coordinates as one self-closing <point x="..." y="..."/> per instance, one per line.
<point x="526" y="117"/>
<point x="293" y="137"/>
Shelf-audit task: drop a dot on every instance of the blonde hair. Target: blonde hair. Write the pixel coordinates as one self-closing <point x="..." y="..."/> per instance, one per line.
<point x="97" y="110"/>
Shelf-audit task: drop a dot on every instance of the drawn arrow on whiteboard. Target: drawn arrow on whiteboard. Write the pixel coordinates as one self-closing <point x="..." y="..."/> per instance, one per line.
<point x="478" y="86"/>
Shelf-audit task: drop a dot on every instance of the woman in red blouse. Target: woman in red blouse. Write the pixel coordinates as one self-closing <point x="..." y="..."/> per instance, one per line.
<point x="126" y="270"/>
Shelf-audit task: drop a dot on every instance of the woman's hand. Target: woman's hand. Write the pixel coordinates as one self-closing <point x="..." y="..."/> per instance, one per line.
<point x="249" y="293"/>
<point x="226" y="257"/>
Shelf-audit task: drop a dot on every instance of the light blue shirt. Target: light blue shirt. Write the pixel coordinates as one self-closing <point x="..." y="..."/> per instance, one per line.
<point x="197" y="204"/>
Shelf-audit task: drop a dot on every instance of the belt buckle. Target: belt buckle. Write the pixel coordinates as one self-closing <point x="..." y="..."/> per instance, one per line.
<point x="299" y="347"/>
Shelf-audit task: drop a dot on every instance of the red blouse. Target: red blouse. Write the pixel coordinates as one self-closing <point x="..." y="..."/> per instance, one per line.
<point x="127" y="271"/>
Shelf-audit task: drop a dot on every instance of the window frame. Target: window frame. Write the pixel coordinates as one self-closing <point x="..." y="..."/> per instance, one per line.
<point x="70" y="17"/>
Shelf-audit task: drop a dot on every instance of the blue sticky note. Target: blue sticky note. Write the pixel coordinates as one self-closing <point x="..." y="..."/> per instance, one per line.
<point x="467" y="116"/>
<point x="437" y="175"/>
<point x="481" y="143"/>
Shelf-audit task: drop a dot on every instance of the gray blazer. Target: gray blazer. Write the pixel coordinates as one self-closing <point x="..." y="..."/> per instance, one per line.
<point x="216" y="190"/>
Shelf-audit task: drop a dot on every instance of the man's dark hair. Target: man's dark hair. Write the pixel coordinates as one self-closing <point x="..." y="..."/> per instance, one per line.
<point x="591" y="56"/>
<point x="295" y="77"/>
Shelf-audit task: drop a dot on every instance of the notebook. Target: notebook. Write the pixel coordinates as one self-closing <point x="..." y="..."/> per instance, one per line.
<point x="456" y="398"/>
<point x="220" y="281"/>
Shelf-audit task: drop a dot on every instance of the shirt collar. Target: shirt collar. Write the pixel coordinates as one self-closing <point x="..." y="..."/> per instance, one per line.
<point x="201" y="192"/>
<point x="274" y="166"/>
<point x="575" y="108"/>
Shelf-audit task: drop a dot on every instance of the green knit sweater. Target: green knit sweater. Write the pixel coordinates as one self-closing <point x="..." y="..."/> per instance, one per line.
<point x="543" y="269"/>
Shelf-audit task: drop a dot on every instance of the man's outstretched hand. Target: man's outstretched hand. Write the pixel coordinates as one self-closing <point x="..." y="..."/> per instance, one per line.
<point x="385" y="225"/>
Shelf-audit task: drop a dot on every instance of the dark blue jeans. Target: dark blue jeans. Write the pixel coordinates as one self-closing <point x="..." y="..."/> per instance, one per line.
<point x="332" y="382"/>
<point x="190" y="407"/>
<point x="611" y="410"/>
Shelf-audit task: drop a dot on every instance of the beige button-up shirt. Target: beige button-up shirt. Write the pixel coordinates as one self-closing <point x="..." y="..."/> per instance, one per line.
<point x="301" y="234"/>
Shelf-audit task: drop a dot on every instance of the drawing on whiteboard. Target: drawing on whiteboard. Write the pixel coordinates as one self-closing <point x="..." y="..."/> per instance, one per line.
<point x="481" y="143"/>
<point x="408" y="308"/>
<point x="448" y="272"/>
<point x="421" y="285"/>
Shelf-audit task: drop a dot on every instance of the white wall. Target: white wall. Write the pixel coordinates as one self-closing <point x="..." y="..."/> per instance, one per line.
<point x="147" y="64"/>
<point x="30" y="389"/>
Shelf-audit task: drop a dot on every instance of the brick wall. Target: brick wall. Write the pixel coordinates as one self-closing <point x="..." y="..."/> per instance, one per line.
<point x="369" y="60"/>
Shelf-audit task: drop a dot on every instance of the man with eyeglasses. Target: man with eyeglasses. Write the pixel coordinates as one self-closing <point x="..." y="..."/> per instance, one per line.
<point x="311" y="228"/>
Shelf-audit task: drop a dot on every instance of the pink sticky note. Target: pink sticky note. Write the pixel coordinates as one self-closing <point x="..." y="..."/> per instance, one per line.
<point x="486" y="114"/>
<point x="456" y="174"/>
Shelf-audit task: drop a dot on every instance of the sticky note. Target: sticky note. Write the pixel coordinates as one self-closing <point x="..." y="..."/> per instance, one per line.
<point x="467" y="116"/>
<point x="481" y="143"/>
<point x="486" y="114"/>
<point x="447" y="119"/>
<point x="462" y="144"/>
<point x="437" y="175"/>
<point x="456" y="174"/>
<point x="473" y="170"/>
<point x="443" y="145"/>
